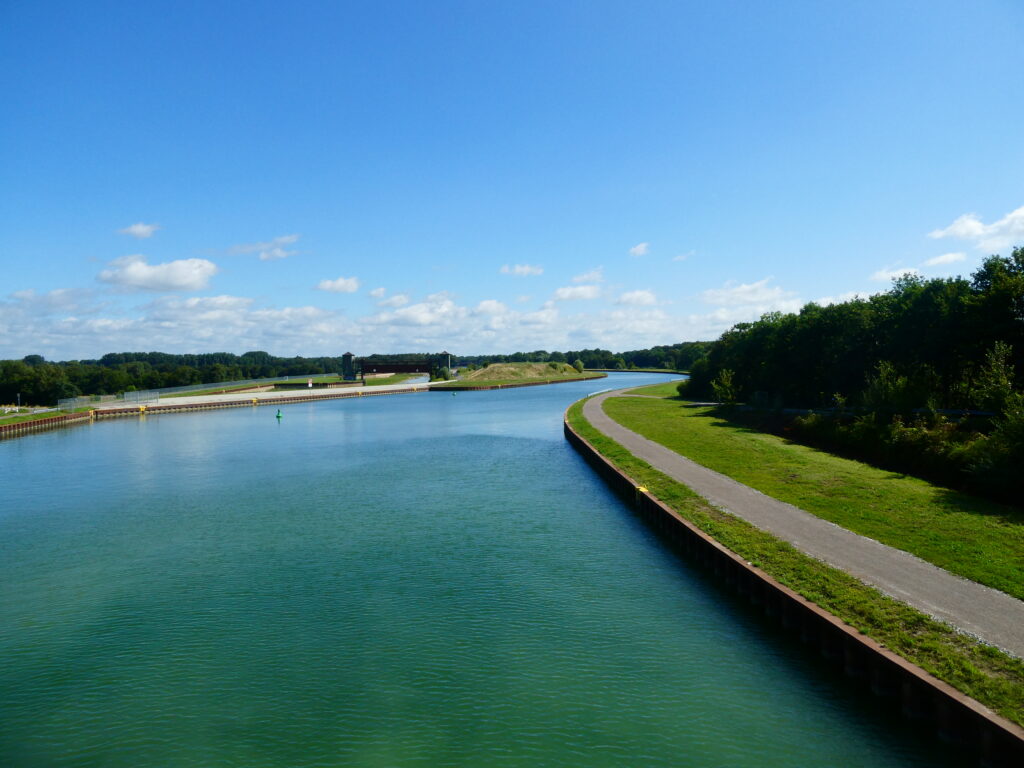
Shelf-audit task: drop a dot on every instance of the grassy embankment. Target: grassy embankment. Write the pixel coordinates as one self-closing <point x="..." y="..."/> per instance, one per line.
<point x="17" y="418"/>
<point x="503" y="374"/>
<point x="974" y="538"/>
<point x="986" y="674"/>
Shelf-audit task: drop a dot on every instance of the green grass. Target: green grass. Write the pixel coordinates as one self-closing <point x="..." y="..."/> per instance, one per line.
<point x="396" y="378"/>
<point x="666" y="389"/>
<point x="980" y="671"/>
<point x="974" y="538"/>
<point x="22" y="417"/>
<point x="214" y="391"/>
<point x="503" y="374"/>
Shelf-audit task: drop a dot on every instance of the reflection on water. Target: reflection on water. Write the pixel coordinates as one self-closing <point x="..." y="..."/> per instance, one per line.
<point x="406" y="580"/>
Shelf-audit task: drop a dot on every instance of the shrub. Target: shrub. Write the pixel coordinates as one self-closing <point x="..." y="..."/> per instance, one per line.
<point x="723" y="387"/>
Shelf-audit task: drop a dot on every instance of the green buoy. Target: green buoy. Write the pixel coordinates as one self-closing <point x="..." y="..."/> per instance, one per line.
<point x="279" y="414"/>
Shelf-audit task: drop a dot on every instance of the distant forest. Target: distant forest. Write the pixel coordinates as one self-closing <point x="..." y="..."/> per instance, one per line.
<point x="43" y="383"/>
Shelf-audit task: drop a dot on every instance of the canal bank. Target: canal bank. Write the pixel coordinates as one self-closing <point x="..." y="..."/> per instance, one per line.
<point x="191" y="403"/>
<point x="957" y="718"/>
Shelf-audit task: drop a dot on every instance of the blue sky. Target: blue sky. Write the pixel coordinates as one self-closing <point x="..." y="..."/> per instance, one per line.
<point x="319" y="177"/>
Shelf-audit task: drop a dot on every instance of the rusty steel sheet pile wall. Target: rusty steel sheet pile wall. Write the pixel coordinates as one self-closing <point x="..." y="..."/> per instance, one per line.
<point x="41" y="425"/>
<point x="957" y="719"/>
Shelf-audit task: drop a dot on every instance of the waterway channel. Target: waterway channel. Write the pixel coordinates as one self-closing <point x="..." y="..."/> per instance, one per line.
<point x="410" y="580"/>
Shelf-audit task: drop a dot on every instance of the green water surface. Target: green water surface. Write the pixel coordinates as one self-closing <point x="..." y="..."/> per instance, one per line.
<point x="411" y="580"/>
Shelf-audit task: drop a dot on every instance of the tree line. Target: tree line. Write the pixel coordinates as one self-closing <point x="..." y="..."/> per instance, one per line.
<point x="896" y="373"/>
<point x="39" y="382"/>
<point x="674" y="357"/>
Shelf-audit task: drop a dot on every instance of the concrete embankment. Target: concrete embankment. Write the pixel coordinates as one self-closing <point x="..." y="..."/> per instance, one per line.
<point x="957" y="718"/>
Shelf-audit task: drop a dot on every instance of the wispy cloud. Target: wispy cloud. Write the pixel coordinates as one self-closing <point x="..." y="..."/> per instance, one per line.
<point x="135" y="274"/>
<point x="378" y="293"/>
<point x="521" y="270"/>
<point x="741" y="294"/>
<point x="641" y="298"/>
<point x="684" y="256"/>
<point x="574" y="292"/>
<point x="640" y="249"/>
<point x="1007" y="231"/>
<point x="946" y="258"/>
<point x="398" y="300"/>
<point x="339" y="285"/>
<point x="593" y="276"/>
<point x="888" y="274"/>
<point x="269" y="250"/>
<point x="140" y="230"/>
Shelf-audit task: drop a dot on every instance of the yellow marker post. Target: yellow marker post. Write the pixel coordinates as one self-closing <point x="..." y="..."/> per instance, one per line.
<point x="640" y="491"/>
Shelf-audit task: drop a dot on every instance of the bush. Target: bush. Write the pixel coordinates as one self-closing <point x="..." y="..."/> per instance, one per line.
<point x="578" y="365"/>
<point x="723" y="387"/>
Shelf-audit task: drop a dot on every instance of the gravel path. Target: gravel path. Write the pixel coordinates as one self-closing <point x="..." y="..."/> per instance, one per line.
<point x="990" y="615"/>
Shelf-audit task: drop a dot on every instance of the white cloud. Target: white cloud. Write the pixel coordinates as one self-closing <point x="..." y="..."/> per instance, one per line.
<point x="275" y="253"/>
<point x="140" y="230"/>
<point x="684" y="256"/>
<point x="523" y="299"/>
<point x="826" y="301"/>
<point x="398" y="300"/>
<point x="639" y="298"/>
<point x="133" y="273"/>
<point x="593" y="276"/>
<point x="640" y="249"/>
<point x="1004" y="233"/>
<point x="521" y="270"/>
<point x="491" y="307"/>
<point x="270" y="250"/>
<point x="749" y="294"/>
<point x="888" y="274"/>
<point x="378" y="293"/>
<point x="946" y="258"/>
<point x="438" y="308"/>
<point x="340" y="285"/>
<point x="572" y="292"/>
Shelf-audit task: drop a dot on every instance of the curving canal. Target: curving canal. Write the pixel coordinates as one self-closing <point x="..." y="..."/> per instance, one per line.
<point x="412" y="580"/>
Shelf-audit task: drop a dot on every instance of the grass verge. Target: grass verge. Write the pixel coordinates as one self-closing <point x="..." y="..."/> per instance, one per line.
<point x="505" y="374"/>
<point x="37" y="416"/>
<point x="397" y="378"/>
<point x="986" y="674"/>
<point x="972" y="537"/>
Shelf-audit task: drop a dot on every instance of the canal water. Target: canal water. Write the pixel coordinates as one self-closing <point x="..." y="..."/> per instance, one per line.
<point x="411" y="580"/>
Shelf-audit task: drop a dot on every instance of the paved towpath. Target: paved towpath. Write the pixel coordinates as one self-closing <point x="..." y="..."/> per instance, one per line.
<point x="990" y="615"/>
